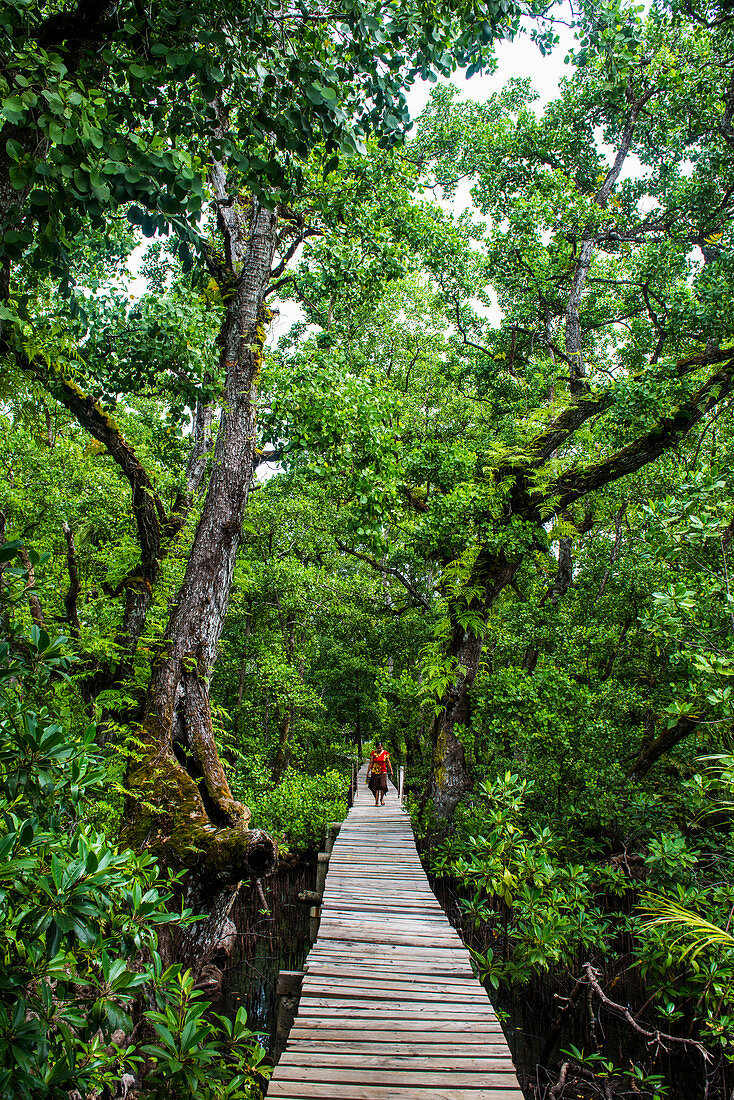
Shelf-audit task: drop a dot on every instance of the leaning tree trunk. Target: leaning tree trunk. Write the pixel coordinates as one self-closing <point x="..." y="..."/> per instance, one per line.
<point x="283" y="752"/>
<point x="449" y="778"/>
<point x="180" y="802"/>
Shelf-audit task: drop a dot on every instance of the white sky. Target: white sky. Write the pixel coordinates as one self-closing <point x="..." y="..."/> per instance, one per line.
<point x="519" y="58"/>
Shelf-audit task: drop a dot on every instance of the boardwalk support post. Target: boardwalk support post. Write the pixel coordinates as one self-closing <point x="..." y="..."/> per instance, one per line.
<point x="321" y="868"/>
<point x="331" y="833"/>
<point x="287" y="995"/>
<point x="315" y="919"/>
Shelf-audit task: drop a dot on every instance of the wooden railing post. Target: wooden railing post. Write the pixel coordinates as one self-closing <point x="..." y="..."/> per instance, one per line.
<point x="353" y="784"/>
<point x="401" y="783"/>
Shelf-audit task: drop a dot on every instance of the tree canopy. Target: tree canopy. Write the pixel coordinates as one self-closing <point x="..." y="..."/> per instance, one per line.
<point x="474" y="498"/>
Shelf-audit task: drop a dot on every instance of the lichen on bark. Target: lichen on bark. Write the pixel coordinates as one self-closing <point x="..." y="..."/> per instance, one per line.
<point x="180" y="803"/>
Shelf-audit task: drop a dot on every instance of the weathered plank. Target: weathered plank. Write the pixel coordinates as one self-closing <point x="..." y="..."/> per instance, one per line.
<point x="350" y="1076"/>
<point x="389" y="1001"/>
<point x="334" y="1052"/>
<point x="408" y="1030"/>
<point x="309" y="1062"/>
<point x="294" y="1090"/>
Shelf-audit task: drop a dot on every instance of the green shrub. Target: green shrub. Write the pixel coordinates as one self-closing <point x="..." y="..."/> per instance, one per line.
<point x="79" y="917"/>
<point x="298" y="809"/>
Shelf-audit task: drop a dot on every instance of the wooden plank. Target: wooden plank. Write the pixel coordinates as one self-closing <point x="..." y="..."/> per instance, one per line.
<point x="357" y="1059"/>
<point x="387" y="1027"/>
<point x="419" y="959"/>
<point x="429" y="922"/>
<point x="369" y="1047"/>
<point x="295" y="1090"/>
<point x="346" y="982"/>
<point x="398" y="919"/>
<point x="345" y="965"/>
<point x="346" y="944"/>
<point x="422" y="959"/>
<point x="350" y="1075"/>
<point x="413" y="903"/>
<point x="436" y="948"/>
<point x="328" y="1038"/>
<point x="407" y="932"/>
<point x="401" y="994"/>
<point x="334" y="978"/>
<point x="406" y="1010"/>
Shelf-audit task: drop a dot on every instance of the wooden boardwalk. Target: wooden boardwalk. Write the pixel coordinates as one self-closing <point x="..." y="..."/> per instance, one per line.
<point x="389" y="1007"/>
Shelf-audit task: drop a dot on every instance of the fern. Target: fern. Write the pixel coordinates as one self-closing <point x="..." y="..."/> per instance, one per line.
<point x="701" y="933"/>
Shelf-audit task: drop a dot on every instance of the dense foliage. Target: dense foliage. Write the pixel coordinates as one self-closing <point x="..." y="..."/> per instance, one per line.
<point x="473" y="498"/>
<point x="80" y="917"/>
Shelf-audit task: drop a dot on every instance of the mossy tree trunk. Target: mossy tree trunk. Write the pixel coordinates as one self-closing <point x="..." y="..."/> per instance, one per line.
<point x="449" y="776"/>
<point x="527" y="508"/>
<point x="180" y="802"/>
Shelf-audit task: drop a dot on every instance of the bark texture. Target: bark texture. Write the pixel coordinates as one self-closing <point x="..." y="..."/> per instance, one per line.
<point x="449" y="778"/>
<point x="181" y="805"/>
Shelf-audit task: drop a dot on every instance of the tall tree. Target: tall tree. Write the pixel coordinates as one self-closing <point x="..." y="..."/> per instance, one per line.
<point x="204" y="100"/>
<point x="612" y="346"/>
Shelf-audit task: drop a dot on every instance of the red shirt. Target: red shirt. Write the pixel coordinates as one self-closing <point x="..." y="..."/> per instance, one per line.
<point x="379" y="762"/>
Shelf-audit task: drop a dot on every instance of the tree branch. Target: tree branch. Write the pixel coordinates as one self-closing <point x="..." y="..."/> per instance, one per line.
<point x="574" y="484"/>
<point x="666" y="740"/>
<point x="615" y="550"/>
<point x="566" y="423"/>
<point x="155" y="529"/>
<point x="557" y="588"/>
<point x="588" y="247"/>
<point x="147" y="506"/>
<point x="467" y="342"/>
<point x="658" y="1037"/>
<point x="387" y="570"/>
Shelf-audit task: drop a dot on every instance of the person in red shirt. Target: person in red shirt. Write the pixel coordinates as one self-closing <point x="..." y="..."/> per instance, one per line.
<point x="377" y="770"/>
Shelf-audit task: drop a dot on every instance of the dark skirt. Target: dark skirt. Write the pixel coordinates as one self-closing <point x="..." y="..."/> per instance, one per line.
<point x="378" y="783"/>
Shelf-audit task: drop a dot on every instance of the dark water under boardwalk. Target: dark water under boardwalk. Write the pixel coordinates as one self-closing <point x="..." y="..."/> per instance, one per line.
<point x="267" y="944"/>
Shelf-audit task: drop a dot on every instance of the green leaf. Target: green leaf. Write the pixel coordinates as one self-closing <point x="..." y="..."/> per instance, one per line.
<point x="13" y="109"/>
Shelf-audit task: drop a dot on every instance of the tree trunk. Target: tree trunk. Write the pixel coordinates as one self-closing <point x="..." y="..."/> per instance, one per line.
<point x="559" y="587"/>
<point x="180" y="803"/>
<point x="283" y="752"/>
<point x="449" y="779"/>
<point x="654" y="748"/>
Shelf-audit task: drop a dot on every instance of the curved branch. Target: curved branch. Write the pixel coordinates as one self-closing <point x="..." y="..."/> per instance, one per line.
<point x="573" y="485"/>
<point x="666" y="740"/>
<point x="658" y="1037"/>
<point x="147" y="506"/>
<point x="388" y="571"/>
<point x="584" y="408"/>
